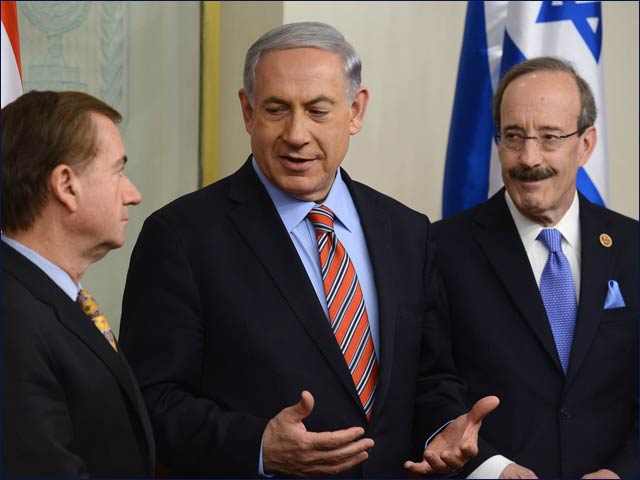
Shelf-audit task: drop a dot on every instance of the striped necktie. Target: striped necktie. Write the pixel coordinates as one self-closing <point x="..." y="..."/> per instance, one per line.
<point x="91" y="310"/>
<point x="558" y="294"/>
<point x="347" y="311"/>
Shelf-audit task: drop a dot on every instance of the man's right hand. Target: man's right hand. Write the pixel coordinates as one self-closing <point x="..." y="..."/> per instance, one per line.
<point x="513" y="470"/>
<point x="289" y="449"/>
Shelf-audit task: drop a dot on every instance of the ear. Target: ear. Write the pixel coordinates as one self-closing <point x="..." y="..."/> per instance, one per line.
<point x="247" y="111"/>
<point x="358" y="109"/>
<point x="65" y="186"/>
<point x="588" y="142"/>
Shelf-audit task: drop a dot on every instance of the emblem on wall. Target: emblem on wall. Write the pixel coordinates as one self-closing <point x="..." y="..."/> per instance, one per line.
<point x="78" y="45"/>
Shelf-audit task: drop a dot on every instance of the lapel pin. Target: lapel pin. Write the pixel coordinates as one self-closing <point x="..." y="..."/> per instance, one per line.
<point x="605" y="240"/>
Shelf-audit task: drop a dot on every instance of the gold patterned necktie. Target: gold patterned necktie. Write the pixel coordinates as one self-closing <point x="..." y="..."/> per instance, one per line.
<point x="91" y="310"/>
<point x="347" y="311"/>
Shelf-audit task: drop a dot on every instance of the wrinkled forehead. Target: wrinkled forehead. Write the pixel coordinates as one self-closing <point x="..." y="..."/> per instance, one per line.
<point x="541" y="98"/>
<point x="313" y="70"/>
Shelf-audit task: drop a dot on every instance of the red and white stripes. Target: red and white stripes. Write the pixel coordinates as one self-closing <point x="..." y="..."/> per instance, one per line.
<point x="11" y="87"/>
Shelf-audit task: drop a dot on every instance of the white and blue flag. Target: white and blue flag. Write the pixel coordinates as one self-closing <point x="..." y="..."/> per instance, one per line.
<point x="497" y="36"/>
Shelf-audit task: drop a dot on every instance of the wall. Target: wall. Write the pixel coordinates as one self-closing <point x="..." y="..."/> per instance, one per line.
<point x="143" y="58"/>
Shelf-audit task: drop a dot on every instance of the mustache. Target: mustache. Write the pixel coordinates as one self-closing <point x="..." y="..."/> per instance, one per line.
<point x="531" y="174"/>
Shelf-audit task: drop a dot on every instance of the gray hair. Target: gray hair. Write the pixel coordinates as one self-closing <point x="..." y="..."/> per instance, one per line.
<point x="588" y="112"/>
<point x="303" y="35"/>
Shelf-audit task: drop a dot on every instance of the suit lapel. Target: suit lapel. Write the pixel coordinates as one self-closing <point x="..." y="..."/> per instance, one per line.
<point x="498" y="237"/>
<point x="258" y="222"/>
<point x="376" y="225"/>
<point x="71" y="316"/>
<point x="595" y="268"/>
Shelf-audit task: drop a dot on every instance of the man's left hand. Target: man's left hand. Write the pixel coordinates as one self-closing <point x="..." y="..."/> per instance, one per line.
<point x="456" y="444"/>
<point x="602" y="473"/>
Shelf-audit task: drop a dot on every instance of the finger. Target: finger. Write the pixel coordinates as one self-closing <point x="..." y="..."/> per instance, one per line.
<point x="435" y="462"/>
<point x="422" y="468"/>
<point x="482" y="408"/>
<point x="454" y="461"/>
<point x="469" y="448"/>
<point x="340" y="455"/>
<point x="301" y="410"/>
<point x="335" y="469"/>
<point x="338" y="438"/>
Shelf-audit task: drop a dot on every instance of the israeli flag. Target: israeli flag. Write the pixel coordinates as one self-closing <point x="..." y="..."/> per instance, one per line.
<point x="497" y="36"/>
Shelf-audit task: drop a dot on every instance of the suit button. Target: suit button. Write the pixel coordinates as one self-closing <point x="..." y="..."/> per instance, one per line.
<point x="565" y="413"/>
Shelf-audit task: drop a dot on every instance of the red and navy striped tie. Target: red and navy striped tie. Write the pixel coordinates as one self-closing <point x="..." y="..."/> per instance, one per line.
<point x="347" y="311"/>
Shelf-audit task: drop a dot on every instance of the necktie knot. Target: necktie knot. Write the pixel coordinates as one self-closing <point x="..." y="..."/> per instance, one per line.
<point x="551" y="238"/>
<point x="322" y="219"/>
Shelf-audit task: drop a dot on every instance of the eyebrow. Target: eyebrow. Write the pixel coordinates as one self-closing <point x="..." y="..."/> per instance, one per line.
<point x="320" y="99"/>
<point x="313" y="101"/>
<point x="542" y="128"/>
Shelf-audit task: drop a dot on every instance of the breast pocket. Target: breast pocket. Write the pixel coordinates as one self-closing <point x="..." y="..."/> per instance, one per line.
<point x="619" y="317"/>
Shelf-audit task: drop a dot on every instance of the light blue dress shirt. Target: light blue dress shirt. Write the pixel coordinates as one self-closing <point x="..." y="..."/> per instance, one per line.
<point x="54" y="272"/>
<point x="293" y="213"/>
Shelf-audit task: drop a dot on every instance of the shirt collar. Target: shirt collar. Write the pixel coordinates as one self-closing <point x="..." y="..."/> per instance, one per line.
<point x="292" y="211"/>
<point x="568" y="226"/>
<point x="54" y="272"/>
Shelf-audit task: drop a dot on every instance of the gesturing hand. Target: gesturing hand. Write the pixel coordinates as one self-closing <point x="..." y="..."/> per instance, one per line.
<point x="456" y="444"/>
<point x="602" y="473"/>
<point x="513" y="470"/>
<point x="289" y="449"/>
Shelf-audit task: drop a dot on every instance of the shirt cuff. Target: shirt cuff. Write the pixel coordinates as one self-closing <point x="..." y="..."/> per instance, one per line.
<point x="261" y="465"/>
<point x="436" y="433"/>
<point x="491" y="467"/>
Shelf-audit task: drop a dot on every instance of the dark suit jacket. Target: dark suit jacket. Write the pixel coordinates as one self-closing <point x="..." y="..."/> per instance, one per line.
<point x="70" y="404"/>
<point x="223" y="329"/>
<point x="503" y="345"/>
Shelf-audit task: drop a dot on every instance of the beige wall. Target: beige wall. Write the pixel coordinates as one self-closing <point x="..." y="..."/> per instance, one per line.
<point x="410" y="53"/>
<point x="620" y="50"/>
<point x="144" y="59"/>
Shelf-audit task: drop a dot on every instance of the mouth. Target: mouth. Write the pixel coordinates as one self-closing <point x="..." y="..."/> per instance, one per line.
<point x="296" y="163"/>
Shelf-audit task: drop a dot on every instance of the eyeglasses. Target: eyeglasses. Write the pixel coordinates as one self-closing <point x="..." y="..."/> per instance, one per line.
<point x="547" y="141"/>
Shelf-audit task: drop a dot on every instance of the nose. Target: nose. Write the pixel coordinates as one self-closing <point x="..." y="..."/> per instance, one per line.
<point x="296" y="131"/>
<point x="131" y="195"/>
<point x="530" y="155"/>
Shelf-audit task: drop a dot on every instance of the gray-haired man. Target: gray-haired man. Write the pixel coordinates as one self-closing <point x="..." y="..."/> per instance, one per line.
<point x="279" y="320"/>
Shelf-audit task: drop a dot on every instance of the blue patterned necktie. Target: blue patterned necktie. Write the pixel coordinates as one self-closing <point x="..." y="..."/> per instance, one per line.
<point x="558" y="294"/>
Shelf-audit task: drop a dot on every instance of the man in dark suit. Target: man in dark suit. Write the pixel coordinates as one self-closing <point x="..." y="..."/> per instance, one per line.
<point x="551" y="329"/>
<point x="70" y="403"/>
<point x="250" y="360"/>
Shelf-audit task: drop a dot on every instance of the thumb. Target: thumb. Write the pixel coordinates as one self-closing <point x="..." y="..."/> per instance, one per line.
<point x="482" y="408"/>
<point x="301" y="410"/>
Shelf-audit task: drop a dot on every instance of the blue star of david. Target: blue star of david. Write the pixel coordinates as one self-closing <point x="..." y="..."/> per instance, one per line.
<point x="578" y="13"/>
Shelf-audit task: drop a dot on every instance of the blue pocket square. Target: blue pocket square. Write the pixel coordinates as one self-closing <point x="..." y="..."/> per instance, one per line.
<point x="614" y="296"/>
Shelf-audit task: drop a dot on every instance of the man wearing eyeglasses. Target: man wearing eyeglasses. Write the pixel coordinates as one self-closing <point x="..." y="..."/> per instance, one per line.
<point x="540" y="289"/>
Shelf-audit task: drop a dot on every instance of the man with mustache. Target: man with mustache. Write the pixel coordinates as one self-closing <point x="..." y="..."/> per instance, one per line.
<point x="540" y="288"/>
